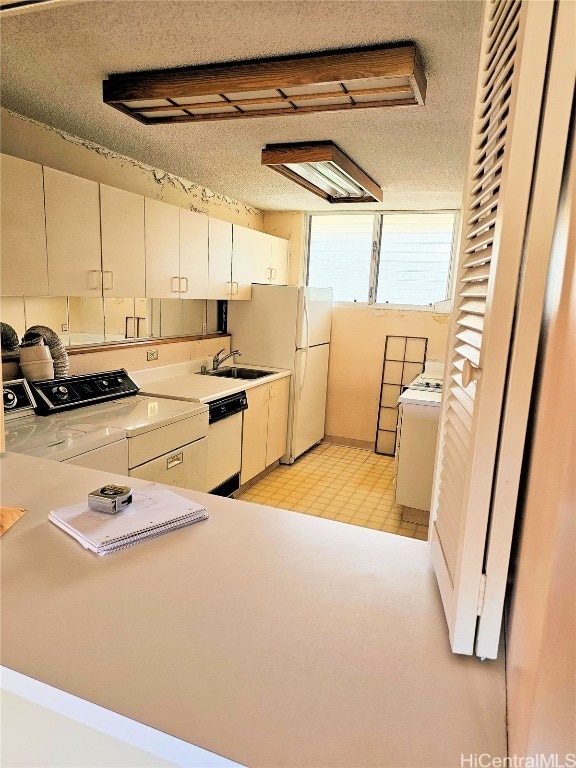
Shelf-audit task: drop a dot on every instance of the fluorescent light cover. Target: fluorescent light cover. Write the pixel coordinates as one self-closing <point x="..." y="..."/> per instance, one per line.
<point x="322" y="168"/>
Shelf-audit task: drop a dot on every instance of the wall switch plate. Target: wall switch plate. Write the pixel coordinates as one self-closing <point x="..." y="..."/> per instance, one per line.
<point x="152" y="354"/>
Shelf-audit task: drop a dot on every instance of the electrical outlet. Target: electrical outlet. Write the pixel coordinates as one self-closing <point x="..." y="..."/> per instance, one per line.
<point x="152" y="354"/>
<point x="204" y="327"/>
<point x="64" y="328"/>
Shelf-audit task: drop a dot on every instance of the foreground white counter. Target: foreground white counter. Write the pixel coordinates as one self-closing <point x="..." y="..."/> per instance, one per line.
<point x="268" y="637"/>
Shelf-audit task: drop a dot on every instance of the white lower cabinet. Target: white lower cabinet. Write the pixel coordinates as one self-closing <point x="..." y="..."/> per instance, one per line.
<point x="265" y="427"/>
<point x="415" y="454"/>
<point x="185" y="467"/>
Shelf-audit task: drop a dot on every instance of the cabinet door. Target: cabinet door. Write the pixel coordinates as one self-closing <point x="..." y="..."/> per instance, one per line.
<point x="254" y="432"/>
<point x="277" y="420"/>
<point x="416" y="452"/>
<point x="123" y="255"/>
<point x="219" y="259"/>
<point x="23" y="233"/>
<point x="279" y="250"/>
<point x="162" y="236"/>
<point x="72" y="235"/>
<point x="184" y="467"/>
<point x="193" y="255"/>
<point x="250" y="259"/>
<point x="244" y="259"/>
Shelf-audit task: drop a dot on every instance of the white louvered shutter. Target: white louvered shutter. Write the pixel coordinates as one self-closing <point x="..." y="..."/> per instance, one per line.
<point x="515" y="43"/>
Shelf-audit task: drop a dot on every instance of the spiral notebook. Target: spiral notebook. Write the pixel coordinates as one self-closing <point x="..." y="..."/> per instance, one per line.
<point x="154" y="510"/>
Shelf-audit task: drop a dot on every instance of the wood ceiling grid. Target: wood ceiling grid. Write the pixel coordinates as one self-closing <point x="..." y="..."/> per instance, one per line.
<point x="392" y="74"/>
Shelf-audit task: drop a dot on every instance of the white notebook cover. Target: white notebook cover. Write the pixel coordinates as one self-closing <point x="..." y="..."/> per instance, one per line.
<point x="154" y="510"/>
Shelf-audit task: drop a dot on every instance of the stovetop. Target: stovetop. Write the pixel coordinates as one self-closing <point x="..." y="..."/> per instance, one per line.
<point x="425" y="382"/>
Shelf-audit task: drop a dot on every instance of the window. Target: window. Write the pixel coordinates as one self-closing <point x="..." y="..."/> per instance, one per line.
<point x="392" y="258"/>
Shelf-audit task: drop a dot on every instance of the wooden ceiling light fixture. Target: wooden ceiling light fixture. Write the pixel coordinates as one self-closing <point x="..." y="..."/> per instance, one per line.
<point x="379" y="76"/>
<point x="322" y="168"/>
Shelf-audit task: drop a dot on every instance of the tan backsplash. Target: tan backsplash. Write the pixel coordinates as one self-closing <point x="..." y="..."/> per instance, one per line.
<point x="134" y="358"/>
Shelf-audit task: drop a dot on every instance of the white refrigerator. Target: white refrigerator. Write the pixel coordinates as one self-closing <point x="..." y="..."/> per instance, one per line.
<point x="286" y="326"/>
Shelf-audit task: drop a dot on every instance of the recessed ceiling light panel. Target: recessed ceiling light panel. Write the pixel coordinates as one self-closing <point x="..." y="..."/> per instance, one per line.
<point x="379" y="76"/>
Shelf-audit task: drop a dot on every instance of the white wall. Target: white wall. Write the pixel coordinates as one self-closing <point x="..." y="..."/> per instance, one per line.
<point x="356" y="358"/>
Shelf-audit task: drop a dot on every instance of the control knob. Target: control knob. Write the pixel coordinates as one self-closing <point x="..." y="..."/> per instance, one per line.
<point x="9" y="398"/>
<point x="61" y="392"/>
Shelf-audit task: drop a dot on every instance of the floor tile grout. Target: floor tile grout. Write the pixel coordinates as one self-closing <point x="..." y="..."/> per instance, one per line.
<point x="350" y="485"/>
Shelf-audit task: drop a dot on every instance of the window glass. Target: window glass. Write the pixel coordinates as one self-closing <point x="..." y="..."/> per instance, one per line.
<point x="414" y="256"/>
<point x="415" y="252"/>
<point x="340" y="253"/>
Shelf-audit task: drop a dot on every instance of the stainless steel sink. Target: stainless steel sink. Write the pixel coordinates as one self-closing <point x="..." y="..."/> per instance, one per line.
<point x="238" y="373"/>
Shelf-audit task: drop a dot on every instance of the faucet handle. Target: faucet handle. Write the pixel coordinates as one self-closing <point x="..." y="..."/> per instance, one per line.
<point x="217" y="355"/>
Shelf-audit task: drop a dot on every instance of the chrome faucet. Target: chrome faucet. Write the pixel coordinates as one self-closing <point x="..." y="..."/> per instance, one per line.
<point x="217" y="360"/>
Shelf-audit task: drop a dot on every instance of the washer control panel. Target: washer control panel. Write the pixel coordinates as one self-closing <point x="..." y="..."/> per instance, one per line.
<point x="18" y="399"/>
<point x="55" y="395"/>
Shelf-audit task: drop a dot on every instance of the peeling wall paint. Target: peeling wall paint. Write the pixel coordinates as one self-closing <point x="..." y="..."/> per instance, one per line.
<point x="31" y="140"/>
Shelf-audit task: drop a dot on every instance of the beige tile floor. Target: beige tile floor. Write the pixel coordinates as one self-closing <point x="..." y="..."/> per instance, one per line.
<point x="351" y="485"/>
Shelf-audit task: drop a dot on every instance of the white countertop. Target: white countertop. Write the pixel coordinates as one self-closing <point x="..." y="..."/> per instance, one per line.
<point x="270" y="637"/>
<point x="421" y="397"/>
<point x="136" y="414"/>
<point x="196" y="387"/>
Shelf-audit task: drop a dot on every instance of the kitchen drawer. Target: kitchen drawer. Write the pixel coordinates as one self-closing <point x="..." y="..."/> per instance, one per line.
<point x="185" y="467"/>
<point x="142" y="448"/>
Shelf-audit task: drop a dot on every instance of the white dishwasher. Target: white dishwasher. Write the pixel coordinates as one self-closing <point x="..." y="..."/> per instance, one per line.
<point x="225" y="418"/>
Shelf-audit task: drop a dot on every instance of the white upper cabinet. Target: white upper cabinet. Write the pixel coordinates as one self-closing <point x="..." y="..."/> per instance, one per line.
<point x="72" y="208"/>
<point x="193" y="255"/>
<point x="219" y="259"/>
<point x="162" y="236"/>
<point x="23" y="234"/>
<point x="250" y="256"/>
<point x="279" y="253"/>
<point x="63" y="235"/>
<point x="123" y="255"/>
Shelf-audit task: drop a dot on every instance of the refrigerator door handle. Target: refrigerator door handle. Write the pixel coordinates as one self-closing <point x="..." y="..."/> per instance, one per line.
<point x="303" y="372"/>
<point x="307" y="318"/>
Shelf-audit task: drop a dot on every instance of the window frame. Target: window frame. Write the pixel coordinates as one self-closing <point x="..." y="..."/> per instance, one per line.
<point x="372" y="288"/>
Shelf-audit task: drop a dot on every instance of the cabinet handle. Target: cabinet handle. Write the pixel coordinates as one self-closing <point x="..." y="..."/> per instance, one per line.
<point x="177" y="289"/>
<point x="229" y="290"/>
<point x="234" y="290"/>
<point x="470" y="373"/>
<point x="185" y="289"/>
<point x="269" y="270"/>
<point x="174" y="461"/>
<point x="99" y="280"/>
<point x="273" y="270"/>
<point x="111" y="286"/>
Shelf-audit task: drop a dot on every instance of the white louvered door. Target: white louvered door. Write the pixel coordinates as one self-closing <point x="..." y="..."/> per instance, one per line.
<point x="510" y="87"/>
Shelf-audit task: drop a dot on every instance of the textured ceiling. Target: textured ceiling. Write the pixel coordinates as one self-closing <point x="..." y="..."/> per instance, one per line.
<point x="54" y="61"/>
